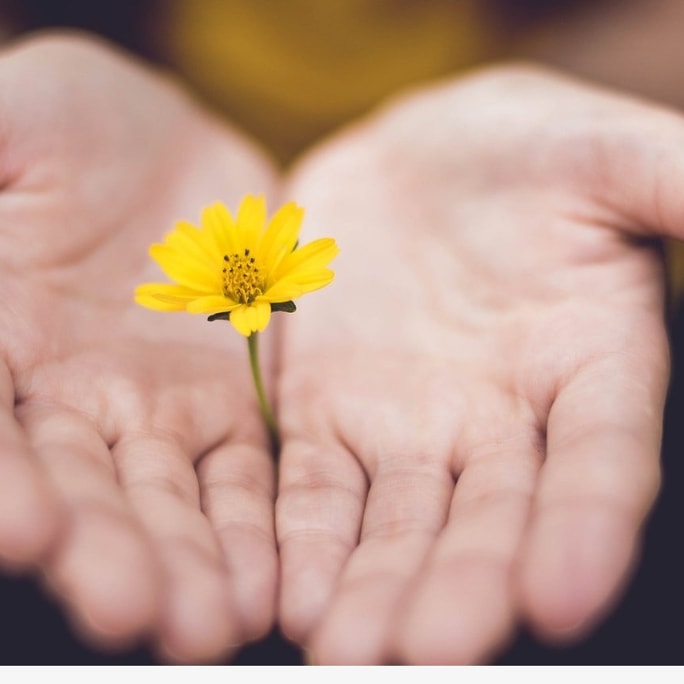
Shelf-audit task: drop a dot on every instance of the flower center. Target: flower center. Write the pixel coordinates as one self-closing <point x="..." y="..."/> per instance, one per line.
<point x="242" y="279"/>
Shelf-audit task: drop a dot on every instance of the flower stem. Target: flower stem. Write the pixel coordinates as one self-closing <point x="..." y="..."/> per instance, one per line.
<point x="266" y="412"/>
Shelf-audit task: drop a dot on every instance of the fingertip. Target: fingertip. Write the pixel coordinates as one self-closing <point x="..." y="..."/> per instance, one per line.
<point x="199" y="625"/>
<point x="342" y="639"/>
<point x="461" y="614"/>
<point x="256" y="594"/>
<point x="31" y="517"/>
<point x="309" y="572"/>
<point x="572" y="571"/>
<point x="185" y="648"/>
<point x="108" y="581"/>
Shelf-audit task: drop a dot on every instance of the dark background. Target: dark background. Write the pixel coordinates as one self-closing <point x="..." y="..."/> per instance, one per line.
<point x="646" y="627"/>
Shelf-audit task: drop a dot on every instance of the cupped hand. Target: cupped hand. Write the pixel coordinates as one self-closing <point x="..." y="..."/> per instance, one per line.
<point x="471" y="414"/>
<point x="134" y="470"/>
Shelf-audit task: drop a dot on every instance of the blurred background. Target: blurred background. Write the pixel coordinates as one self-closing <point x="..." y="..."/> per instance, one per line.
<point x="290" y="72"/>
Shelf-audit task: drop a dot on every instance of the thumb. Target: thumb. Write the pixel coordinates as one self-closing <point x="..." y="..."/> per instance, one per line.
<point x="632" y="166"/>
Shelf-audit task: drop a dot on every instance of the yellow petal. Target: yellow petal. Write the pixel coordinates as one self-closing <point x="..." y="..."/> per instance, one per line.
<point x="164" y="296"/>
<point x="280" y="237"/>
<point x="250" y="318"/>
<point x="190" y="241"/>
<point x="186" y="270"/>
<point x="211" y="304"/>
<point x="291" y="288"/>
<point x="219" y="229"/>
<point x="313" y="256"/>
<point x="251" y="220"/>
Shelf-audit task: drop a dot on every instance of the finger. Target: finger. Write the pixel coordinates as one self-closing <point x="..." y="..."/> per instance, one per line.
<point x="198" y="620"/>
<point x="321" y="496"/>
<point x="596" y="488"/>
<point x="237" y="489"/>
<point x="30" y="514"/>
<point x="461" y="609"/>
<point x="648" y="141"/>
<point x="406" y="507"/>
<point x="102" y="567"/>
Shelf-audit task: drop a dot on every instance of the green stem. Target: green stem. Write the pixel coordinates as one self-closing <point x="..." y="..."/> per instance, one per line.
<point x="266" y="412"/>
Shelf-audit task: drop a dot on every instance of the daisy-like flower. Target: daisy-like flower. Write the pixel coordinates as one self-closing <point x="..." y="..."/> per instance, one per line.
<point x="239" y="268"/>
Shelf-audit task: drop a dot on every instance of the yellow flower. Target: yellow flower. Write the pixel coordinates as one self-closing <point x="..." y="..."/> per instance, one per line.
<point x="238" y="268"/>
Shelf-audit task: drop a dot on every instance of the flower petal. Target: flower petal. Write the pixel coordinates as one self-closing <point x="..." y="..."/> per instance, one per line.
<point x="185" y="270"/>
<point x="291" y="288"/>
<point x="219" y="230"/>
<point x="250" y="318"/>
<point x="164" y="296"/>
<point x="280" y="237"/>
<point x="188" y="240"/>
<point x="251" y="220"/>
<point x="310" y="257"/>
<point x="211" y="304"/>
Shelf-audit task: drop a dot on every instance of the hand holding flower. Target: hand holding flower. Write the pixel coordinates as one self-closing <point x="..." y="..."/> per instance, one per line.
<point x="456" y="457"/>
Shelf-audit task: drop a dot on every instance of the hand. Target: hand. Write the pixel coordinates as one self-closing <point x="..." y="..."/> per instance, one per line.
<point x="134" y="469"/>
<point x="471" y="413"/>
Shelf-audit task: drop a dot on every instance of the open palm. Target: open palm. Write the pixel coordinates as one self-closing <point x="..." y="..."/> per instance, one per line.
<point x="134" y="471"/>
<point x="471" y="416"/>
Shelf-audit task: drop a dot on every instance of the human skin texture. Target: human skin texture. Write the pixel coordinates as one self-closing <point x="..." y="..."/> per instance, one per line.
<point x="134" y="471"/>
<point x="472" y="415"/>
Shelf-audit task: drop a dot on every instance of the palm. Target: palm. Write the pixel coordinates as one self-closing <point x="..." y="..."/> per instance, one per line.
<point x="137" y="441"/>
<point x="472" y="414"/>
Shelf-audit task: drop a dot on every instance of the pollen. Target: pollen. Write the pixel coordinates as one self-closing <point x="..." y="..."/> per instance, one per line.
<point x="242" y="278"/>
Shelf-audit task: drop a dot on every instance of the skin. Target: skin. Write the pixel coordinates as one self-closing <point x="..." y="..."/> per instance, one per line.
<point x="134" y="472"/>
<point x="470" y="414"/>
